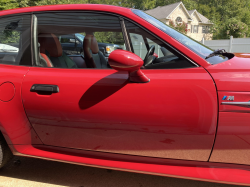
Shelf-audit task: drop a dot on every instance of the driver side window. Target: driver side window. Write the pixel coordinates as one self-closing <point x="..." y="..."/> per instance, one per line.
<point x="155" y="53"/>
<point x="138" y="44"/>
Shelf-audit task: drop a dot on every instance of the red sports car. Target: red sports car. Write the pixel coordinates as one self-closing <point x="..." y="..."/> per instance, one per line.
<point x="161" y="104"/>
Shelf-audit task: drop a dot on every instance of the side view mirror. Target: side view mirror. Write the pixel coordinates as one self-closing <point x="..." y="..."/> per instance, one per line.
<point x="122" y="60"/>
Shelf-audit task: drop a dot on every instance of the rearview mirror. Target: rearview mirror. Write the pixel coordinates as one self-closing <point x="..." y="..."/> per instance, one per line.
<point x="122" y="60"/>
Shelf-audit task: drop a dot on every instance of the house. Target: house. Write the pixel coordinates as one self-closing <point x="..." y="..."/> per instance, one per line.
<point x="198" y="25"/>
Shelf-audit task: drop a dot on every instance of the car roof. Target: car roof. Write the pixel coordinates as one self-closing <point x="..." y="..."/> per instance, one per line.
<point x="94" y="7"/>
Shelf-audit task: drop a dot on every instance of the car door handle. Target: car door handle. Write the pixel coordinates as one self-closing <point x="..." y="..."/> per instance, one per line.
<point x="236" y="103"/>
<point x="44" y="88"/>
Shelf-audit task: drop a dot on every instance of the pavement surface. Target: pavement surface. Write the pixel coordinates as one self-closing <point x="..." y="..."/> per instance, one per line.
<point x="30" y="172"/>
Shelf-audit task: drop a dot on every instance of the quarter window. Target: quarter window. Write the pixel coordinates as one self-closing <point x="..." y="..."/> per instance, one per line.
<point x="15" y="40"/>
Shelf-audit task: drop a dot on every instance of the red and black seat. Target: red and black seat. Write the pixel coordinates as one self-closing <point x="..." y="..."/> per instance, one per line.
<point x="51" y="51"/>
<point x="93" y="57"/>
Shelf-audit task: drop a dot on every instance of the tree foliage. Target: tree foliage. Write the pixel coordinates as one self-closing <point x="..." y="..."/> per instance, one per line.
<point x="224" y="14"/>
<point x="8" y="4"/>
<point x="235" y="28"/>
<point x="109" y="37"/>
<point x="179" y="26"/>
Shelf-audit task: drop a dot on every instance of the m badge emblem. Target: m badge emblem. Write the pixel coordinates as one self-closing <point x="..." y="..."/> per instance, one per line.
<point x="229" y="98"/>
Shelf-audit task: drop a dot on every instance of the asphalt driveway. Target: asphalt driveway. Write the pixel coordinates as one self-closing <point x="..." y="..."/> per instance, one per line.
<point x="42" y="173"/>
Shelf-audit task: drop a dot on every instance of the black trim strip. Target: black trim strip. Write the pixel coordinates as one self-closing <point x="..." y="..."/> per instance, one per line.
<point x="17" y="14"/>
<point x="125" y="35"/>
<point x="31" y="41"/>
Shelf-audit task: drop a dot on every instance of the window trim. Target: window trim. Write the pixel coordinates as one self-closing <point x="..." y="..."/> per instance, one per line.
<point x="126" y="36"/>
<point x="34" y="42"/>
<point x="18" y="14"/>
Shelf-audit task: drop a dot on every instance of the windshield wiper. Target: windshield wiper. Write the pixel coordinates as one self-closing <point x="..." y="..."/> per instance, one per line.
<point x="216" y="52"/>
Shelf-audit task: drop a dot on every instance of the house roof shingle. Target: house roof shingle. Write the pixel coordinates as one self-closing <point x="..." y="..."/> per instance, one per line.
<point x="204" y="19"/>
<point x="165" y="11"/>
<point x="191" y="11"/>
<point x="162" y="11"/>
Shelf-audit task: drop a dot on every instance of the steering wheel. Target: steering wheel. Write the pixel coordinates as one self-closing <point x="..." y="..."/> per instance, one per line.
<point x="149" y="56"/>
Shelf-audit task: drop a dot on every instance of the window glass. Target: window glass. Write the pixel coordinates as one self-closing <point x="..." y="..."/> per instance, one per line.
<point x="178" y="19"/>
<point x="138" y="45"/>
<point x="200" y="49"/>
<point x="162" y="57"/>
<point x="157" y="48"/>
<point x="205" y="29"/>
<point x="195" y="29"/>
<point x="15" y="40"/>
<point x="71" y="44"/>
<point x="82" y="40"/>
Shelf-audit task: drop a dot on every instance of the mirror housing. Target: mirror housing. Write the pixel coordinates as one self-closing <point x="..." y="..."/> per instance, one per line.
<point x="122" y="60"/>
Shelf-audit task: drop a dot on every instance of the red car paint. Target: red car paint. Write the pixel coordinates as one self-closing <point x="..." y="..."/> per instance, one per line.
<point x="121" y="60"/>
<point x="164" y="127"/>
<point x="232" y="143"/>
<point x="134" y="119"/>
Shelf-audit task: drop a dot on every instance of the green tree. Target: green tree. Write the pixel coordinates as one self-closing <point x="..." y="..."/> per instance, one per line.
<point x="8" y="4"/>
<point x="109" y="37"/>
<point x="234" y="27"/>
<point x="220" y="12"/>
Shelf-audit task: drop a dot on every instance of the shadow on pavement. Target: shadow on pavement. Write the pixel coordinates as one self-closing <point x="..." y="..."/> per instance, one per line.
<point x="36" y="172"/>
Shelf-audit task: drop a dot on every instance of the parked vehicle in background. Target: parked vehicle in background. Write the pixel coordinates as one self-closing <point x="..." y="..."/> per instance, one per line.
<point x="8" y="52"/>
<point x="73" y="44"/>
<point x="184" y="113"/>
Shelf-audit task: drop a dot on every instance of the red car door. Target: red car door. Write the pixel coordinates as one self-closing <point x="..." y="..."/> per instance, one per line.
<point x="172" y="116"/>
<point x="15" y="60"/>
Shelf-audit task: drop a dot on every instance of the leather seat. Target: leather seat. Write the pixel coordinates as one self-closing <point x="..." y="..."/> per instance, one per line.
<point x="52" y="53"/>
<point x="93" y="57"/>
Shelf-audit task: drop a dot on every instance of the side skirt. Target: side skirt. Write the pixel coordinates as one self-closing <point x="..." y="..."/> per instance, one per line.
<point x="204" y="171"/>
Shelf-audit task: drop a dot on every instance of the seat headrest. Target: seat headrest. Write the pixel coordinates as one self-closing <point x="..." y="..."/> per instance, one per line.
<point x="49" y="42"/>
<point x="92" y="43"/>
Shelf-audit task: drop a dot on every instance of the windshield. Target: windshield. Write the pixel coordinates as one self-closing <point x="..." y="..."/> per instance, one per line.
<point x="197" y="47"/>
<point x="80" y="36"/>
